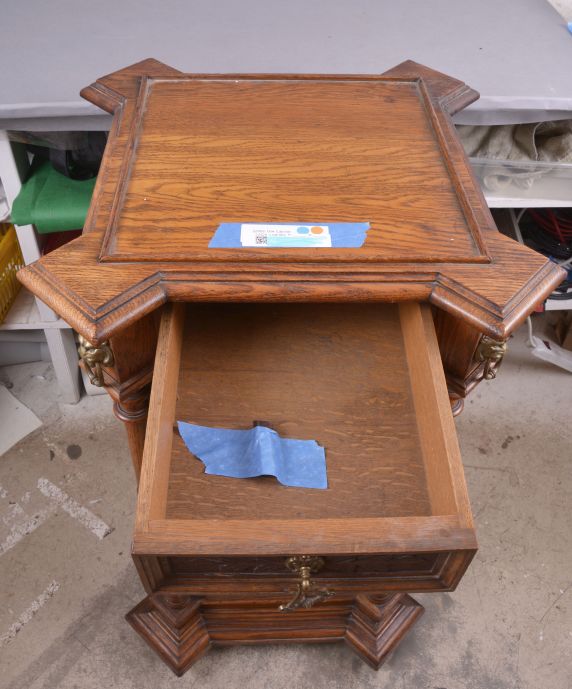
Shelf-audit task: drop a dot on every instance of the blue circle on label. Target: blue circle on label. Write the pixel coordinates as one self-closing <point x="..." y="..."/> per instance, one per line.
<point x="303" y="230"/>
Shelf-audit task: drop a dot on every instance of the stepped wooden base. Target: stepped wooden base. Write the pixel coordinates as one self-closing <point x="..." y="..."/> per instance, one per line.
<point x="457" y="404"/>
<point x="174" y="627"/>
<point x="181" y="628"/>
<point x="375" y="630"/>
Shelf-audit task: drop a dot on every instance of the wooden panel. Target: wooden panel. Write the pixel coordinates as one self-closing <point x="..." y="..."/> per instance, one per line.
<point x="217" y="576"/>
<point x="337" y="373"/>
<point x="303" y="536"/>
<point x="157" y="451"/>
<point x="458" y="344"/>
<point x="287" y="150"/>
<point x="443" y="466"/>
<point x="99" y="298"/>
<point x="337" y="567"/>
<point x="134" y="353"/>
<point x="333" y="373"/>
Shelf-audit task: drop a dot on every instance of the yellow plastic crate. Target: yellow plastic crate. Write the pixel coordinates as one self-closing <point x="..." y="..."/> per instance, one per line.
<point x="10" y="262"/>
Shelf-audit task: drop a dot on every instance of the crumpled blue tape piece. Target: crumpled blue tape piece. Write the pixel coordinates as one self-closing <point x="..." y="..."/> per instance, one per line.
<point x="259" y="451"/>
<point x="345" y="235"/>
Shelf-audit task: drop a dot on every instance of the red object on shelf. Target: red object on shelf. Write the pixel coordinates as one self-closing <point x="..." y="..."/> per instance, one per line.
<point x="558" y="224"/>
<point x="57" y="239"/>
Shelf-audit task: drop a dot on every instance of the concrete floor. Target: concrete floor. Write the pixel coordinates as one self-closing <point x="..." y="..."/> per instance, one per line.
<point x="65" y="590"/>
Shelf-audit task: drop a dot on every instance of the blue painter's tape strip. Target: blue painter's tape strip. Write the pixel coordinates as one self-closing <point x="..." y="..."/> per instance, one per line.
<point x="259" y="451"/>
<point x="227" y="236"/>
<point x="345" y="235"/>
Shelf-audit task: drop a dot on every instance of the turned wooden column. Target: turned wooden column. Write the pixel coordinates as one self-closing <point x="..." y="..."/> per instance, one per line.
<point x="124" y="367"/>
<point x="133" y="412"/>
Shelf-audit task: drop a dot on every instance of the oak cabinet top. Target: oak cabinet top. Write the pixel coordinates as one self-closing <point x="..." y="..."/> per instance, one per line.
<point x="189" y="153"/>
<point x="212" y="150"/>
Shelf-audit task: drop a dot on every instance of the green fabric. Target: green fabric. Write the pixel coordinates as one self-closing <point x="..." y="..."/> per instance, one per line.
<point x="51" y="201"/>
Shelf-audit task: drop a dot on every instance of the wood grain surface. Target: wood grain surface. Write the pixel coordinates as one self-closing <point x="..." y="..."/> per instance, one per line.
<point x="366" y="381"/>
<point x="340" y="374"/>
<point x="405" y="170"/>
<point x="181" y="626"/>
<point x="211" y="577"/>
<point x="158" y="437"/>
<point x="333" y="373"/>
<point x="287" y="150"/>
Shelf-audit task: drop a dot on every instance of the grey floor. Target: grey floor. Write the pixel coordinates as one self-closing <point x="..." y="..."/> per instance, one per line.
<point x="64" y="590"/>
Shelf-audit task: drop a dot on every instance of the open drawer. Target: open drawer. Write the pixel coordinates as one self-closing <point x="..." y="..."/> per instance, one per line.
<point x="366" y="382"/>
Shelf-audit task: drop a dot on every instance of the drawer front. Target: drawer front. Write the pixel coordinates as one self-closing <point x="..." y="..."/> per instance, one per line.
<point x="334" y="567"/>
<point x="438" y="571"/>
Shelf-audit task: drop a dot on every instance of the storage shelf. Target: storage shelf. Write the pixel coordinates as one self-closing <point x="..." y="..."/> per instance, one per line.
<point x="542" y="195"/>
<point x="24" y="315"/>
<point x="558" y="304"/>
<point x="550" y="183"/>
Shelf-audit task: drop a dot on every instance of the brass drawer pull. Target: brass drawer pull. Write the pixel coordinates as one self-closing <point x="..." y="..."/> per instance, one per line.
<point x="306" y="594"/>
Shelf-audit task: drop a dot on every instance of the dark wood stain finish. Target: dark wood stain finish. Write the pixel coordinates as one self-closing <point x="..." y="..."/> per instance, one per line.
<point x="185" y="627"/>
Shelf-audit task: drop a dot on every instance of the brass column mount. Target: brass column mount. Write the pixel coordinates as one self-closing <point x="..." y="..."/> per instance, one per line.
<point x="491" y="352"/>
<point x="94" y="358"/>
<point x="306" y="594"/>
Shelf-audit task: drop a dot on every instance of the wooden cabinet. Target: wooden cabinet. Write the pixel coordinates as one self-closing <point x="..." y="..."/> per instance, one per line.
<point x="363" y="347"/>
<point x="222" y="559"/>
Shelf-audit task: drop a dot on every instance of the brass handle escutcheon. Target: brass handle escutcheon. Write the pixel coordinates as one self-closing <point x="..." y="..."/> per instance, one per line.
<point x="306" y="593"/>
<point x="491" y="352"/>
<point x="94" y="358"/>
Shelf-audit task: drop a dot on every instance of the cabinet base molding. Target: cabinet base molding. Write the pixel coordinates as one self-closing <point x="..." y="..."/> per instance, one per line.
<point x="457" y="404"/>
<point x="376" y="627"/>
<point x="181" y="627"/>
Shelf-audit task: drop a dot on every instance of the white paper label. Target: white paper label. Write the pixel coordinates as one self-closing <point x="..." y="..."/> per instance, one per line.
<point x="262" y="235"/>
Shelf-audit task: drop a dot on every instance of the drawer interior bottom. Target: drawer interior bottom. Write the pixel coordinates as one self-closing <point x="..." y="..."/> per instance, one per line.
<point x="336" y="373"/>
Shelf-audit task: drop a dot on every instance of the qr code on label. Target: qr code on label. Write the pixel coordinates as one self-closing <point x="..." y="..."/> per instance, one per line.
<point x="261" y="239"/>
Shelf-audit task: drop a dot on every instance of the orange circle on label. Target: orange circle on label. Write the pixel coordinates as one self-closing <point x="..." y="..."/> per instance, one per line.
<point x="316" y="230"/>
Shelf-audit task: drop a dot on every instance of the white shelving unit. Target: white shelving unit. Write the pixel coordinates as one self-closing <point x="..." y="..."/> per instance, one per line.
<point x="550" y="183"/>
<point x="25" y="315"/>
<point x="28" y="312"/>
<point x="552" y="189"/>
<point x="543" y="194"/>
